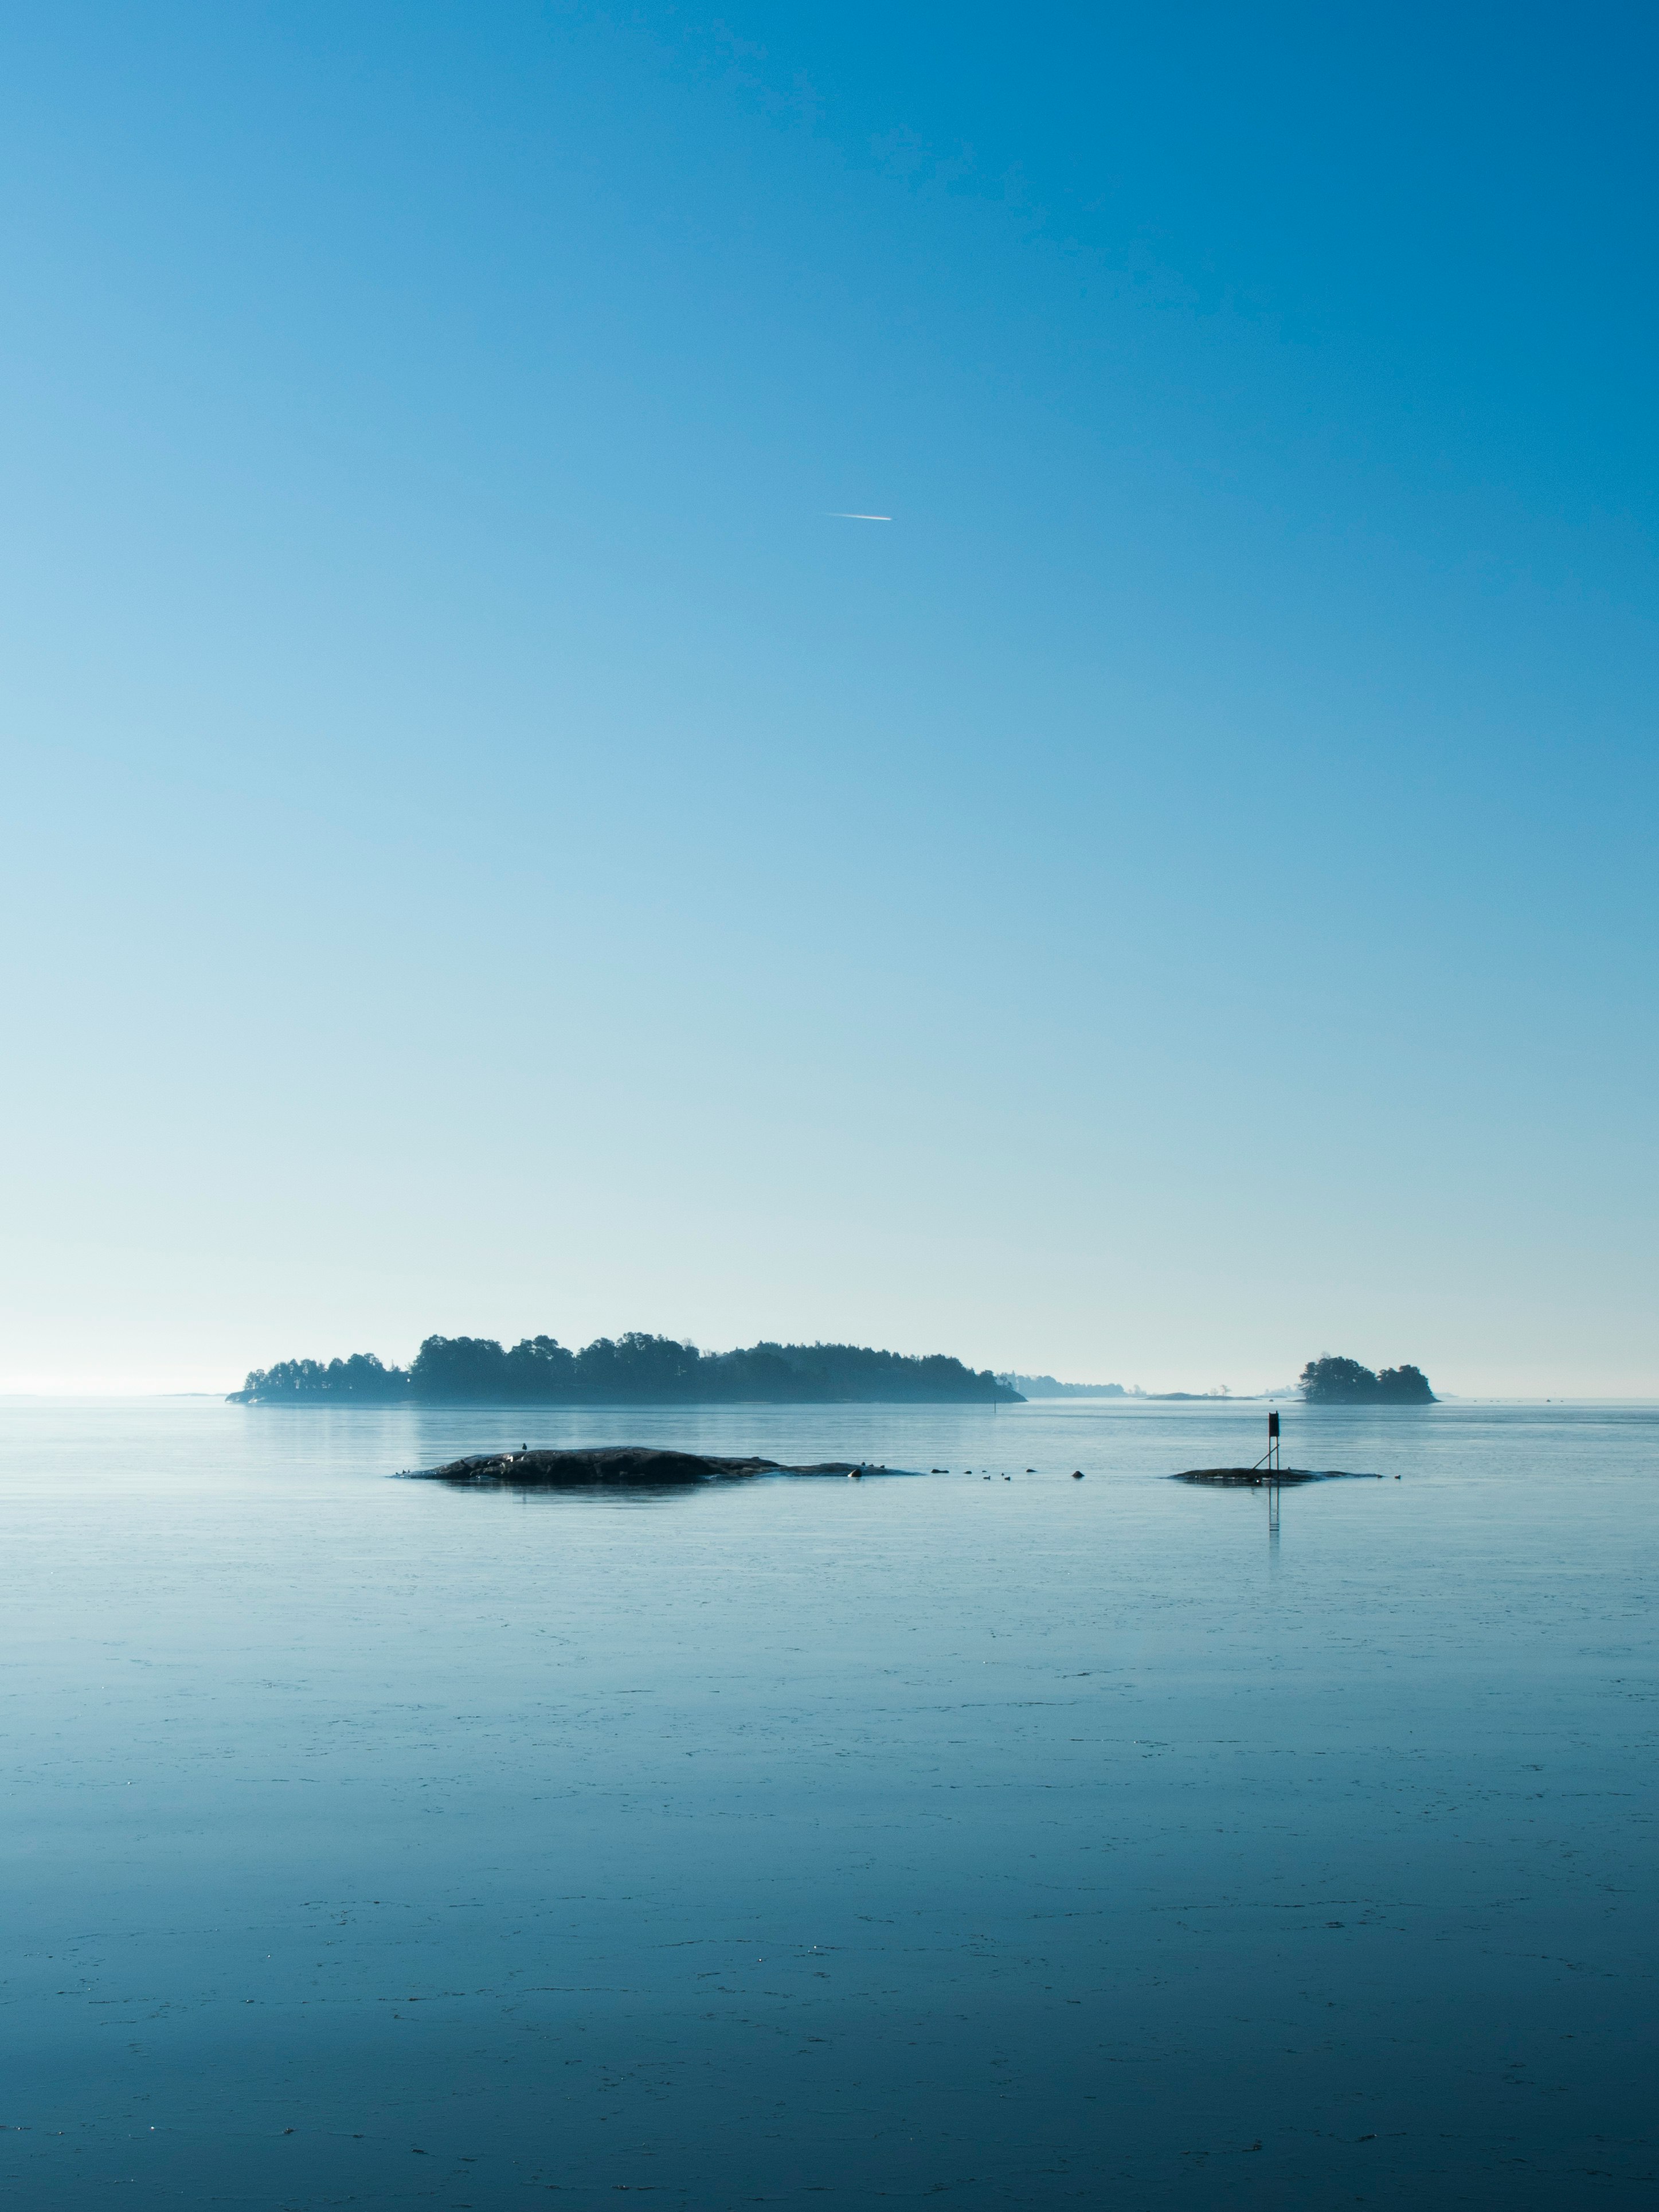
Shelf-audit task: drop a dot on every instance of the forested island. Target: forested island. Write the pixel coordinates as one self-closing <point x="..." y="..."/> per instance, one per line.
<point x="1332" y="1382"/>
<point x="633" y="1369"/>
<point x="1044" y="1385"/>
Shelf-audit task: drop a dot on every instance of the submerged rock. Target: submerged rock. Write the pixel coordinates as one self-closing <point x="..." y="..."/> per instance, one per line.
<point x="615" y="1463"/>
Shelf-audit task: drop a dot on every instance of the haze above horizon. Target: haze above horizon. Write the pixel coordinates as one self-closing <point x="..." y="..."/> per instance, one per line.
<point x="488" y="854"/>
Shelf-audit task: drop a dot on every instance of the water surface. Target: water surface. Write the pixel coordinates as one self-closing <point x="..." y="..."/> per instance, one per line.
<point x="1011" y="1842"/>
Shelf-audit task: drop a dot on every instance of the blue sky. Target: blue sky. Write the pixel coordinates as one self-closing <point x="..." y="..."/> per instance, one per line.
<point x="486" y="852"/>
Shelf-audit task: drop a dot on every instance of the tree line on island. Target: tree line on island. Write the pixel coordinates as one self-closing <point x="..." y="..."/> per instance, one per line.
<point x="638" y="1367"/>
<point x="1044" y="1385"/>
<point x="630" y="1370"/>
<point x="1334" y="1381"/>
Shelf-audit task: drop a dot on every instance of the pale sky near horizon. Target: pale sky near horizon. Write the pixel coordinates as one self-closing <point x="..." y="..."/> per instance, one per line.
<point x="489" y="850"/>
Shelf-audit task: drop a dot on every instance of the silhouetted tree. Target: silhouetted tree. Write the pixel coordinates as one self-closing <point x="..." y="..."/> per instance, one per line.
<point x="539" y="1369"/>
<point x="1404" y="1386"/>
<point x="459" y="1367"/>
<point x="360" y="1377"/>
<point x="637" y="1366"/>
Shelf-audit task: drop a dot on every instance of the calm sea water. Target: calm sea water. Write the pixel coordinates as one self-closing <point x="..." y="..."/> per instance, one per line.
<point x="1020" y="1843"/>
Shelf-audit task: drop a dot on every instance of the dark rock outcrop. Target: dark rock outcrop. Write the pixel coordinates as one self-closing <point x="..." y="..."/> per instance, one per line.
<point x="1258" y="1478"/>
<point x="644" y="1464"/>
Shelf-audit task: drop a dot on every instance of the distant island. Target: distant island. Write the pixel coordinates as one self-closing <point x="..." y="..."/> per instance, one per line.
<point x="1044" y="1385"/>
<point x="1334" y="1381"/>
<point x="632" y="1370"/>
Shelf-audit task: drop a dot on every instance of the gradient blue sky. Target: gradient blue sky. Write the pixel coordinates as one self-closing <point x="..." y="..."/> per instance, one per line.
<point x="484" y="852"/>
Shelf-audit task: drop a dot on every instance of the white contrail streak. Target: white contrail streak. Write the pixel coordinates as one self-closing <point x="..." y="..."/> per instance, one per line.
<point x="834" y="517"/>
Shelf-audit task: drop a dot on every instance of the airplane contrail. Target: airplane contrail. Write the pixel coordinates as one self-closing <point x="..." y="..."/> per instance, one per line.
<point x="833" y="516"/>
